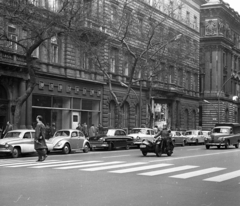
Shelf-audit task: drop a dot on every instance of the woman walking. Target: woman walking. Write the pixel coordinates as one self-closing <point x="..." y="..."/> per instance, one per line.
<point x="39" y="143"/>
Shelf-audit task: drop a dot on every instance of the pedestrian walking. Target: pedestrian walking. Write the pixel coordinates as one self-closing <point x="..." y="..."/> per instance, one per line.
<point x="39" y="143"/>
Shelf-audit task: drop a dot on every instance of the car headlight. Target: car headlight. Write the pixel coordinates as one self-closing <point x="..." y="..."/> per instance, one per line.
<point x="102" y="139"/>
<point x="138" y="138"/>
<point x="6" y="145"/>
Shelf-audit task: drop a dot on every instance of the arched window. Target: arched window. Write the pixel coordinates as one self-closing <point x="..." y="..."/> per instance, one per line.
<point x="111" y="114"/>
<point x="137" y="113"/>
<point x="125" y="117"/>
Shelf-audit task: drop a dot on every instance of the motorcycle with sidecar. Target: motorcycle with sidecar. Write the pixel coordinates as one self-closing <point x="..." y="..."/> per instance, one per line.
<point x="158" y="146"/>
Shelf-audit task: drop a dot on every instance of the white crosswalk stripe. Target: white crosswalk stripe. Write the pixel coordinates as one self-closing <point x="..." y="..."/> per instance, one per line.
<point x="135" y="169"/>
<point x="165" y="171"/>
<point x="198" y="173"/>
<point x="224" y="177"/>
<point x="38" y="163"/>
<point x="19" y="164"/>
<point x="89" y="165"/>
<point x="114" y="166"/>
<point x="64" y="164"/>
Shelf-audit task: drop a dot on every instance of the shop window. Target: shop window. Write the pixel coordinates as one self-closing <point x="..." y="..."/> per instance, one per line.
<point x="90" y="105"/>
<point x="61" y="102"/>
<point x="42" y="101"/>
<point x="76" y="103"/>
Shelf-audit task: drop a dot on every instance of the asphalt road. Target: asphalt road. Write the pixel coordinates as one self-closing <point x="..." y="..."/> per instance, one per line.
<point x="193" y="176"/>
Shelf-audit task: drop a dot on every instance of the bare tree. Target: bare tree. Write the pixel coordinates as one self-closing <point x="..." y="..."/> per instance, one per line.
<point x="146" y="37"/>
<point x="38" y="24"/>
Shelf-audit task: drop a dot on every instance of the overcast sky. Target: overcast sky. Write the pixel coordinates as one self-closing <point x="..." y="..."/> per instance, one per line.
<point x="235" y="4"/>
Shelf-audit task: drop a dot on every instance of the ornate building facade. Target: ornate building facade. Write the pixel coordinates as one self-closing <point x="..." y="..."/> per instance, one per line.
<point x="69" y="90"/>
<point x="219" y="64"/>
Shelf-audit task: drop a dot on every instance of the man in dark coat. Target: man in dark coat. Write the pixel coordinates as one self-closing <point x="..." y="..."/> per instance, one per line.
<point x="39" y="142"/>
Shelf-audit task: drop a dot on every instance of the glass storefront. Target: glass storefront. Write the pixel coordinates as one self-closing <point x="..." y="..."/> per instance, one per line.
<point x="65" y="112"/>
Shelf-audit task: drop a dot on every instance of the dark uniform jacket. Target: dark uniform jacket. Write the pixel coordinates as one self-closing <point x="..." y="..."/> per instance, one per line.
<point x="39" y="141"/>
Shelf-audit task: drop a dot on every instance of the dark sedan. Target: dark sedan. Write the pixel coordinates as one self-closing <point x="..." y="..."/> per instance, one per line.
<point x="111" y="139"/>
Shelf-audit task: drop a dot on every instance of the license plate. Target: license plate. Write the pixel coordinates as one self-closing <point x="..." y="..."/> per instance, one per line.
<point x="142" y="146"/>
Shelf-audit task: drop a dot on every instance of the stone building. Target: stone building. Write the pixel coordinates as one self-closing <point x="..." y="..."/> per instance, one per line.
<point x="69" y="90"/>
<point x="219" y="64"/>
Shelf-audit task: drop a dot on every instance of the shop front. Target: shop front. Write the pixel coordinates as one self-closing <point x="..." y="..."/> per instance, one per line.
<point x="67" y="103"/>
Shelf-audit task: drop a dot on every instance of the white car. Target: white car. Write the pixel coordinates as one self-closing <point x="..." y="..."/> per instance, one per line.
<point x="179" y="138"/>
<point x="67" y="140"/>
<point x="207" y="134"/>
<point x="138" y="134"/>
<point x="195" y="137"/>
<point x="17" y="142"/>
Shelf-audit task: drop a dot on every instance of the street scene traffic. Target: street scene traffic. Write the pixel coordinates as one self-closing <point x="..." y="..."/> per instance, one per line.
<point x="119" y="103"/>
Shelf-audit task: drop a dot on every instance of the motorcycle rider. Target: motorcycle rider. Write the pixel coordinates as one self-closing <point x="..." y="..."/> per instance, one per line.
<point x="166" y="136"/>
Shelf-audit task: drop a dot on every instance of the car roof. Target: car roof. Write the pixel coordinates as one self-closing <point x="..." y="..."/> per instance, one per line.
<point x="22" y="130"/>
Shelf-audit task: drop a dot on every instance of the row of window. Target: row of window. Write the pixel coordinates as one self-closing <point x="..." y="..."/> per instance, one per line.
<point x="174" y="8"/>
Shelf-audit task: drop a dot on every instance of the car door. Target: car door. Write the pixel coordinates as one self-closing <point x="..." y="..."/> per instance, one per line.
<point x="74" y="140"/>
<point x="201" y="136"/>
<point x="27" y="143"/>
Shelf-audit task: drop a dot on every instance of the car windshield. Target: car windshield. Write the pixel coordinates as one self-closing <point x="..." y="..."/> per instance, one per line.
<point x="221" y="130"/>
<point x="139" y="131"/>
<point x="191" y="133"/>
<point x="62" y="133"/>
<point x="12" y="135"/>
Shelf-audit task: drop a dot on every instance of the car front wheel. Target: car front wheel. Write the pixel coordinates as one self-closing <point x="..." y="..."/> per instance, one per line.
<point x="16" y="152"/>
<point x="66" y="149"/>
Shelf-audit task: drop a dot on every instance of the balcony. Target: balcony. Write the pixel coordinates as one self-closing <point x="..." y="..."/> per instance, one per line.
<point x="172" y="88"/>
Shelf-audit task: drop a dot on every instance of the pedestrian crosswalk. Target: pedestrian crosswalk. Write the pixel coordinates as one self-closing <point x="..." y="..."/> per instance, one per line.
<point x="147" y="169"/>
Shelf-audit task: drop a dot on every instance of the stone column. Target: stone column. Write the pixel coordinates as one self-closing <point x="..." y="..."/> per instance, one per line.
<point x="22" y="90"/>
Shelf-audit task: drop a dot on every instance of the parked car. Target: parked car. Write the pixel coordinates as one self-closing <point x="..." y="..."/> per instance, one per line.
<point x="17" y="142"/>
<point x="110" y="139"/>
<point x="224" y="135"/>
<point x="67" y="140"/>
<point x="138" y="134"/>
<point x="207" y="134"/>
<point x="178" y="138"/>
<point x="194" y="137"/>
